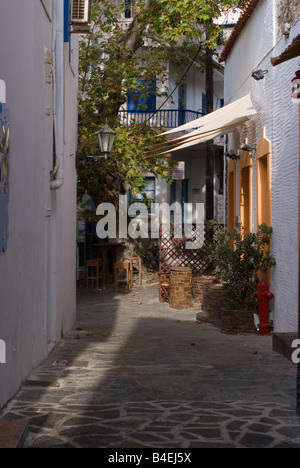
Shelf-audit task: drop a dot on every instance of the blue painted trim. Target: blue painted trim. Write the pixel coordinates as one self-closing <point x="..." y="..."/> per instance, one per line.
<point x="144" y="194"/>
<point x="66" y="20"/>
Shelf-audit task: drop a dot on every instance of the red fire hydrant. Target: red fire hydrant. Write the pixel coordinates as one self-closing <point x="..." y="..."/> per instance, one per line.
<point x="264" y="296"/>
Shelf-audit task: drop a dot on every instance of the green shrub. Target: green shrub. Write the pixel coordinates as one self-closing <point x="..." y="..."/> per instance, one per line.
<point x="236" y="257"/>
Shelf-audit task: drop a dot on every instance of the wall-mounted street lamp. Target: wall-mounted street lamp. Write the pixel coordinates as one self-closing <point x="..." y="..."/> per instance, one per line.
<point x="106" y="137"/>
<point x="248" y="148"/>
<point x="236" y="156"/>
<point x="231" y="155"/>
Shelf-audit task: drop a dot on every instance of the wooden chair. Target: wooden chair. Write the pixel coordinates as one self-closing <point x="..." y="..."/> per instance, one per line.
<point x="164" y="288"/>
<point x="123" y="273"/>
<point x="93" y="273"/>
<point x="135" y="270"/>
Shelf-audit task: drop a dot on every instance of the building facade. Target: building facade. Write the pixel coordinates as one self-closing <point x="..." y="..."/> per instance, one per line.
<point x="187" y="103"/>
<point x="262" y="184"/>
<point x="38" y="125"/>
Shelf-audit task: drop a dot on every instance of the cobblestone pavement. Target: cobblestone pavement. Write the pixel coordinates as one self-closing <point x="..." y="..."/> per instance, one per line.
<point x="134" y="373"/>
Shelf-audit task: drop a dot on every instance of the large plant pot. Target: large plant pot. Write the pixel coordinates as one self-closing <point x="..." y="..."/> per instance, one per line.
<point x="236" y="321"/>
<point x="210" y="293"/>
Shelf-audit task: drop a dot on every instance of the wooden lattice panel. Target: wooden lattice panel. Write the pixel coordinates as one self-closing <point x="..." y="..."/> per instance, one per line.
<point x="174" y="252"/>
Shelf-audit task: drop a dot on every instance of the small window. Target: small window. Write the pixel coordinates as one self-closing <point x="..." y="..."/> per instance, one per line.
<point x="128" y="9"/>
<point x="149" y="192"/>
<point x="150" y="188"/>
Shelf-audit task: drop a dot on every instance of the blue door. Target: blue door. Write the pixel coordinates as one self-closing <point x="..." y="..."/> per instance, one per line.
<point x="143" y="100"/>
<point x="181" y="104"/>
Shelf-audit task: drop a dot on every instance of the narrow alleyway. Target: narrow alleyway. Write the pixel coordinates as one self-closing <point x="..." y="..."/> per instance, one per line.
<point x="136" y="374"/>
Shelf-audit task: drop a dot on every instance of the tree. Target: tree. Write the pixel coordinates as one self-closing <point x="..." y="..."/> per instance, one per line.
<point x="116" y="58"/>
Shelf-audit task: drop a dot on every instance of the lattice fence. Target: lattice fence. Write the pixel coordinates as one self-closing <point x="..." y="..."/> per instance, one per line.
<point x="187" y="251"/>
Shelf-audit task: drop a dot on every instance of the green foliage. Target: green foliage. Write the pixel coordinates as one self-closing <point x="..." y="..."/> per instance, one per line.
<point x="132" y="156"/>
<point x="237" y="257"/>
<point x="116" y="58"/>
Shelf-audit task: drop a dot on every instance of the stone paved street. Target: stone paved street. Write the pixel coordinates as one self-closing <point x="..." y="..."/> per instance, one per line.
<point x="136" y="374"/>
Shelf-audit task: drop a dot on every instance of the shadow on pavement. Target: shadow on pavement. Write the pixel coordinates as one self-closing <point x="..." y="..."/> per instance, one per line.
<point x="135" y="373"/>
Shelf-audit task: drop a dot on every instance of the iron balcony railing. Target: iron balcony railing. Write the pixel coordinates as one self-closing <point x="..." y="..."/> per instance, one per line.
<point x="163" y="118"/>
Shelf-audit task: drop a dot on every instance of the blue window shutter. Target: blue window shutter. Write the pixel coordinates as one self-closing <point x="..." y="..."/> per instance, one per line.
<point x="203" y="103"/>
<point x="66" y="20"/>
<point x="137" y="102"/>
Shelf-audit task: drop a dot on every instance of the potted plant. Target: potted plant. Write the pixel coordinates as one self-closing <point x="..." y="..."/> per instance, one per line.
<point x="236" y="257"/>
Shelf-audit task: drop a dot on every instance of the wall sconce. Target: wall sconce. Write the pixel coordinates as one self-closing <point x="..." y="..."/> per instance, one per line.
<point x="231" y="155"/>
<point x="259" y="74"/>
<point x="248" y="148"/>
<point x="106" y="137"/>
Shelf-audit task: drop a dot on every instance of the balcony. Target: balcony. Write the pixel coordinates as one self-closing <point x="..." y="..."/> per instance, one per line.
<point x="163" y="118"/>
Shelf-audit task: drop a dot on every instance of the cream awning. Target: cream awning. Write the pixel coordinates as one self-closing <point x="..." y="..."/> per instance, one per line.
<point x="219" y="122"/>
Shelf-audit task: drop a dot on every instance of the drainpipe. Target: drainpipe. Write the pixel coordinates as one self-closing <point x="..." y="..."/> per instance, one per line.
<point x="57" y="175"/>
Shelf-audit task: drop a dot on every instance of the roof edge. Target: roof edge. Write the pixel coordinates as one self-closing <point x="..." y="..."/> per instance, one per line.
<point x="247" y="12"/>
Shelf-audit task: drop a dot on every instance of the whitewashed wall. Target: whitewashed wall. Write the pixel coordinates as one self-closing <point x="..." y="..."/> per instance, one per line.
<point x="195" y="159"/>
<point x="255" y="47"/>
<point x="37" y="272"/>
<point x="195" y="83"/>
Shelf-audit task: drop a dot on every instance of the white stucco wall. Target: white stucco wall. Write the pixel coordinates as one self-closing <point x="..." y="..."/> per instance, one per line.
<point x="195" y="86"/>
<point x="255" y="47"/>
<point x="194" y="158"/>
<point x="38" y="272"/>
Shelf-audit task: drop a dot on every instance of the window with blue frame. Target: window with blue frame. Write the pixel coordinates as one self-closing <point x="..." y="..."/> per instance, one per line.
<point x="149" y="192"/>
<point x="143" y="99"/>
<point x="128" y="9"/>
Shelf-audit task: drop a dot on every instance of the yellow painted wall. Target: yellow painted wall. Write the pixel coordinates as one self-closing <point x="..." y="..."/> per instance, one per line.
<point x="231" y="195"/>
<point x="246" y="191"/>
<point x="264" y="188"/>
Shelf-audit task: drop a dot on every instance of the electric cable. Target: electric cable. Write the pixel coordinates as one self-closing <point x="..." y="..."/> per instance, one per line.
<point x="178" y="84"/>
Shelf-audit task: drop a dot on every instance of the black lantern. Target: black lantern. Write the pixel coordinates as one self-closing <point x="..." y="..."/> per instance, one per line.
<point x="231" y="155"/>
<point x="106" y="138"/>
<point x="259" y="74"/>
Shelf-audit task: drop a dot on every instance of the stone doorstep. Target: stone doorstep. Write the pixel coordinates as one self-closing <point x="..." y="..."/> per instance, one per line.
<point x="13" y="433"/>
<point x="282" y="344"/>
